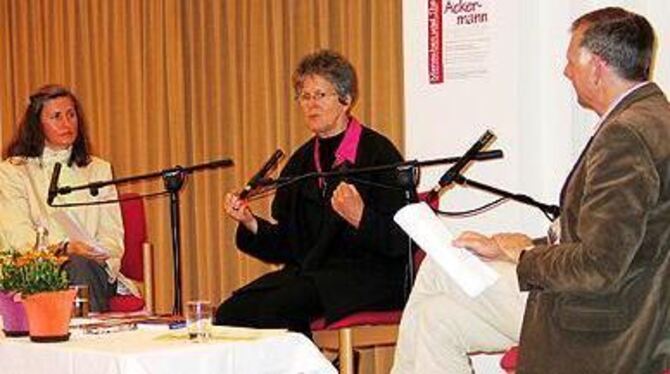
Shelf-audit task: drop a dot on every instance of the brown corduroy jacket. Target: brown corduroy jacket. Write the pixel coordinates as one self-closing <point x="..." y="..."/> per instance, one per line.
<point x="599" y="300"/>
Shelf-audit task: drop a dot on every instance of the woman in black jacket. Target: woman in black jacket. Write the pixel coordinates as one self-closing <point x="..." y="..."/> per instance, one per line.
<point x="338" y="243"/>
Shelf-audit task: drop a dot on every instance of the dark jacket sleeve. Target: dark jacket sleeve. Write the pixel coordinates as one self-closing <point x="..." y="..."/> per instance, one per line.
<point x="377" y="229"/>
<point x="265" y="244"/>
<point x="621" y="187"/>
<point x="270" y="243"/>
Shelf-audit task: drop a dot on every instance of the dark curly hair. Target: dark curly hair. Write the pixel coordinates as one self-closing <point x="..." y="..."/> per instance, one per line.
<point x="331" y="66"/>
<point x="29" y="140"/>
<point x="623" y="39"/>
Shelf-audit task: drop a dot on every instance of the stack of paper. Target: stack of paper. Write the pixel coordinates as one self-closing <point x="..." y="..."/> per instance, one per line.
<point x="75" y="232"/>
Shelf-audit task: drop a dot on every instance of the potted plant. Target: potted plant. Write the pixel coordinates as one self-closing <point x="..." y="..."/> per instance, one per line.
<point x="15" y="322"/>
<point x="37" y="275"/>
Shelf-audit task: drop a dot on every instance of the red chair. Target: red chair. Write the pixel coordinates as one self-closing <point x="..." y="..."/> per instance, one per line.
<point x="363" y="329"/>
<point x="510" y="360"/>
<point x="136" y="263"/>
<point x="358" y="331"/>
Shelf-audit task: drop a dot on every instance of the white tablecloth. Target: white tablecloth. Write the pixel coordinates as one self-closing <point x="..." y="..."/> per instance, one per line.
<point x="140" y="352"/>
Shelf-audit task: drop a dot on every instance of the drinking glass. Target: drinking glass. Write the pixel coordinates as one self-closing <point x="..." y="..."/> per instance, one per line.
<point x="198" y="320"/>
<point x="81" y="305"/>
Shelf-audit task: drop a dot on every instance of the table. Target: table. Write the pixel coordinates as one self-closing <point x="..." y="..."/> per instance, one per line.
<point x="149" y="352"/>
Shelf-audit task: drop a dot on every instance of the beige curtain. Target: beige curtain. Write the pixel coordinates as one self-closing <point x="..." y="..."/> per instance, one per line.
<point x="168" y="82"/>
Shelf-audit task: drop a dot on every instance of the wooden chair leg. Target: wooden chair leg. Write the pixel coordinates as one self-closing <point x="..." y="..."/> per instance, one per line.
<point x="346" y="349"/>
<point x="148" y="271"/>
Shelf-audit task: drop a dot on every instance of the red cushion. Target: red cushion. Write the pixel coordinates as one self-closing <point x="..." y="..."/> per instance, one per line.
<point x="430" y="198"/>
<point x="510" y="359"/>
<point x="135" y="235"/>
<point x="389" y="317"/>
<point x="125" y="303"/>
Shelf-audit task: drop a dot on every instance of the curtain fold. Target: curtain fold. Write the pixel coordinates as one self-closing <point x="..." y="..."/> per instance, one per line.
<point x="169" y="82"/>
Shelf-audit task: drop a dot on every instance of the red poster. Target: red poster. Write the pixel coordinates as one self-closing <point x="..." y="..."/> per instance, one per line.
<point x="435" y="67"/>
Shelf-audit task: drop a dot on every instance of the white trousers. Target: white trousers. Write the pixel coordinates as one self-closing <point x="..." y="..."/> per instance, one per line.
<point x="441" y="324"/>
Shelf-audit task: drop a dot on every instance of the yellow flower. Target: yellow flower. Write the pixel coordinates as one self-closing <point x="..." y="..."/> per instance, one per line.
<point x="32" y="271"/>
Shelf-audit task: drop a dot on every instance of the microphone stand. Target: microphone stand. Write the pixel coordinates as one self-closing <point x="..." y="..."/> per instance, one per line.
<point x="173" y="180"/>
<point x="411" y="180"/>
<point x="408" y="178"/>
<point x="404" y="166"/>
<point x="551" y="211"/>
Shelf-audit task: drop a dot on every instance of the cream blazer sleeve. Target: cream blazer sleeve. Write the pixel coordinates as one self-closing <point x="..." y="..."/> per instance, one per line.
<point x="18" y="214"/>
<point x="23" y="191"/>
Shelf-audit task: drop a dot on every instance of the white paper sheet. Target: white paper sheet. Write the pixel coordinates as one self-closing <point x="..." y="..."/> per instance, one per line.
<point x="430" y="233"/>
<point x="75" y="232"/>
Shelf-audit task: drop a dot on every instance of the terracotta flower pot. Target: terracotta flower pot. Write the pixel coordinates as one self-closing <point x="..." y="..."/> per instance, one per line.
<point x="13" y="315"/>
<point x="49" y="315"/>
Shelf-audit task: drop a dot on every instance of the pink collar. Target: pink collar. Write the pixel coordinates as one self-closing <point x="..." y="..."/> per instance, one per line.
<point x="346" y="151"/>
<point x="349" y="146"/>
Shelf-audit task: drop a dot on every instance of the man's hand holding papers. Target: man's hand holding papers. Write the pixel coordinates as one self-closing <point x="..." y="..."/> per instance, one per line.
<point x="503" y="246"/>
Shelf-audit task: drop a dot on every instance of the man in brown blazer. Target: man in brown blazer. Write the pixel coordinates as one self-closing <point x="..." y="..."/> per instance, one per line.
<point x="599" y="298"/>
<point x="598" y="294"/>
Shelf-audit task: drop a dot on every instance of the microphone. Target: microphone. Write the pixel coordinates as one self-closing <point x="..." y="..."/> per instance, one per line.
<point x="53" y="186"/>
<point x="453" y="172"/>
<point x="267" y="167"/>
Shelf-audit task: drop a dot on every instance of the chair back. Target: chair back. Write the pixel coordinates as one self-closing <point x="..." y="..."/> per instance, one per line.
<point x="134" y="224"/>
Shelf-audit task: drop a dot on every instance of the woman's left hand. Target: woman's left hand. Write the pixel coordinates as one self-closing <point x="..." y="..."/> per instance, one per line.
<point x="347" y="202"/>
<point x="84" y="250"/>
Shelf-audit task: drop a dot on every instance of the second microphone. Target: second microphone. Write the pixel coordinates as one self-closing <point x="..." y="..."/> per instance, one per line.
<point x="270" y="164"/>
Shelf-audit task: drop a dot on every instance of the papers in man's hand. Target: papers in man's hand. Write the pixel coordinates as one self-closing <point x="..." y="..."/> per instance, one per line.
<point x="75" y="232"/>
<point x="426" y="229"/>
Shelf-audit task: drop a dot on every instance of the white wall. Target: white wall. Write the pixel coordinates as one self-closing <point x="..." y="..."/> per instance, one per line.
<point x="523" y="98"/>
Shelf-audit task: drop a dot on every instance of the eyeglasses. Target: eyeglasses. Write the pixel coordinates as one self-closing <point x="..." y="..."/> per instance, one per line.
<point x="318" y="96"/>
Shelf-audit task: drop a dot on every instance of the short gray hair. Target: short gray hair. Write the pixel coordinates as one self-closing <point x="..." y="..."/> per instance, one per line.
<point x="331" y="66"/>
<point x="623" y="39"/>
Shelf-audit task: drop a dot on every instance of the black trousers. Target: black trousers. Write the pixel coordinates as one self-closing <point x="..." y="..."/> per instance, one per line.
<point x="291" y="305"/>
<point x="83" y="271"/>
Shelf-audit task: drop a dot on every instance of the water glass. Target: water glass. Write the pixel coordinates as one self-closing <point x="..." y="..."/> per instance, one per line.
<point x="81" y="304"/>
<point x="198" y="320"/>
